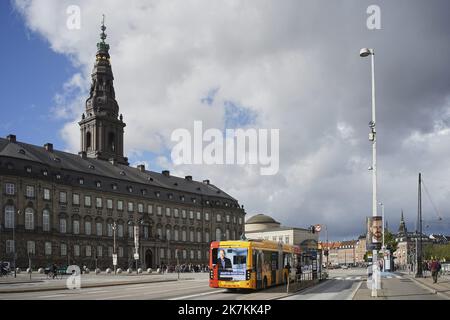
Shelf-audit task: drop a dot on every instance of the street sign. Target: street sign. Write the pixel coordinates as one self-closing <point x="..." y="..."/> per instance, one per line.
<point x="114" y="256"/>
<point x="318" y="227"/>
<point x="136" y="256"/>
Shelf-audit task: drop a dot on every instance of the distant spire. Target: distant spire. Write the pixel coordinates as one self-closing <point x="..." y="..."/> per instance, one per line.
<point x="402" y="228"/>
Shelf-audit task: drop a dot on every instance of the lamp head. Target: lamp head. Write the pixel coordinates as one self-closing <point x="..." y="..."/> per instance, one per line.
<point x="365" y="52"/>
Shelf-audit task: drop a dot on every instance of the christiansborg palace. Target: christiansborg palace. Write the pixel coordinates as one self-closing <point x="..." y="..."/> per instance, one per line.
<point x="65" y="208"/>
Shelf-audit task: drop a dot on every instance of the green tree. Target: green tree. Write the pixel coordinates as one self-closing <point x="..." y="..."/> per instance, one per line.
<point x="389" y="240"/>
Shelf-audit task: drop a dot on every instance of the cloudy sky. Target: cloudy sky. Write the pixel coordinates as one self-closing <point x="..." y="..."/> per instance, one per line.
<point x="288" y="65"/>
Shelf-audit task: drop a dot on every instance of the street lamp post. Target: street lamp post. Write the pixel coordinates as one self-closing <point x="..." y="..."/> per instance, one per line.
<point x="114" y="227"/>
<point x="14" y="242"/>
<point x="365" y="52"/>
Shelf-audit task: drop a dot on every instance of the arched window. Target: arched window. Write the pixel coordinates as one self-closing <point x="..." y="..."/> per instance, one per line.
<point x="45" y="220"/>
<point x="227" y="234"/>
<point x="159" y="232"/>
<point x="88" y="140"/>
<point x="9" y="217"/>
<point x="167" y="233"/>
<point x="29" y="219"/>
<point x="218" y="234"/>
<point x="175" y="235"/>
<point x="183" y="235"/>
<point x="112" y="141"/>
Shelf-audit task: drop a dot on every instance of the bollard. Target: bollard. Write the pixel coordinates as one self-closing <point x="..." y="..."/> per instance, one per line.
<point x="129" y="270"/>
<point x="149" y="270"/>
<point x="108" y="270"/>
<point x="41" y="270"/>
<point x="119" y="270"/>
<point x="139" y="270"/>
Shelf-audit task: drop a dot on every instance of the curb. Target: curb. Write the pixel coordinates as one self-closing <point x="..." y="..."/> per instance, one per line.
<point x="355" y="291"/>
<point x="302" y="289"/>
<point x="95" y="285"/>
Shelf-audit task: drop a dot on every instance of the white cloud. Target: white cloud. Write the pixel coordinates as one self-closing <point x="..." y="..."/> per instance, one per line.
<point x="289" y="63"/>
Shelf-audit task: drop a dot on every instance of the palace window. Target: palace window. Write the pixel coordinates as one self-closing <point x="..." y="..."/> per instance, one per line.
<point x="76" y="199"/>
<point x="30" y="191"/>
<point x="63" y="249"/>
<point x="45" y="220"/>
<point x="46" y="194"/>
<point x="10" y="188"/>
<point x="76" y="227"/>
<point x="31" y="247"/>
<point x="87" y="228"/>
<point x="62" y="225"/>
<point x="9" y="217"/>
<point x="48" y="248"/>
<point x="87" y="201"/>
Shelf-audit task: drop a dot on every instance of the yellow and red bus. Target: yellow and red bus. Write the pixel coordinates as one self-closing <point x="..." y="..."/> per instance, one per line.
<point x="251" y="264"/>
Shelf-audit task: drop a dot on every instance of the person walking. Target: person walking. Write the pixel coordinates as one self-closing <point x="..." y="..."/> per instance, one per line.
<point x="435" y="268"/>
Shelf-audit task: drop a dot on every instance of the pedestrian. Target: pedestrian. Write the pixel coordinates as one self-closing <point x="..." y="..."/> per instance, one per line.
<point x="54" y="270"/>
<point x="425" y="267"/>
<point x="435" y="268"/>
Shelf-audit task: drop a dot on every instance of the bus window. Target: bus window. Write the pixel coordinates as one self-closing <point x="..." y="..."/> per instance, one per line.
<point x="214" y="256"/>
<point x="274" y="261"/>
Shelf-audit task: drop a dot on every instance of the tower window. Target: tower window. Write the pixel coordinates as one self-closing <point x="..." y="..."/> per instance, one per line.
<point x="112" y="141"/>
<point x="88" y="140"/>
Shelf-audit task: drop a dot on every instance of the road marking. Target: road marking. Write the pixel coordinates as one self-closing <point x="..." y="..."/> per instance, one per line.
<point x="198" y="295"/>
<point x="389" y="277"/>
<point x="358" y="278"/>
<point x="116" y="297"/>
<point x="350" y="297"/>
<point x="134" y="288"/>
<point x="398" y="277"/>
<point x="92" y="292"/>
<point x="349" y="278"/>
<point x="338" y="278"/>
<point x="53" y="296"/>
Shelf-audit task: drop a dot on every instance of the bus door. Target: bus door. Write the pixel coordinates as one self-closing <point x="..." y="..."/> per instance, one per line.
<point x="258" y="268"/>
<point x="274" y="267"/>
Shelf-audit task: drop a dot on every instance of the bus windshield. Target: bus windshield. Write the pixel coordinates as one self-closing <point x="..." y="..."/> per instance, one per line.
<point x="232" y="263"/>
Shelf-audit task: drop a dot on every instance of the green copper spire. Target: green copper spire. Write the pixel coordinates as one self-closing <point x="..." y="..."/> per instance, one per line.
<point x="102" y="46"/>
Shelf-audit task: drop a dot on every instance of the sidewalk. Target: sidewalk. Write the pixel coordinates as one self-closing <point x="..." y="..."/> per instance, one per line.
<point x="407" y="288"/>
<point x="442" y="287"/>
<point x="40" y="282"/>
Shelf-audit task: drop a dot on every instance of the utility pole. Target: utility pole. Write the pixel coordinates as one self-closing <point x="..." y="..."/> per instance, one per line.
<point x="419" y="273"/>
<point x="365" y="52"/>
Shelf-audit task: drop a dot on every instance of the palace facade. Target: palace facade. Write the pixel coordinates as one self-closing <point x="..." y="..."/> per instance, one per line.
<point x="65" y="208"/>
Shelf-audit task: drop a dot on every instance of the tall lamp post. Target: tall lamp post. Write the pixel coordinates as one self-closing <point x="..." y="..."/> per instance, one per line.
<point x="365" y="52"/>
<point x="114" y="227"/>
<point x="14" y="243"/>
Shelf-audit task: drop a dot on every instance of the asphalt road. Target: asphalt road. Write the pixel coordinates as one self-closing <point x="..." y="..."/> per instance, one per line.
<point x="342" y="285"/>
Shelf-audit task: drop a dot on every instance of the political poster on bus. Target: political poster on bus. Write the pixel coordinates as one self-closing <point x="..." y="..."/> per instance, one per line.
<point x="232" y="263"/>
